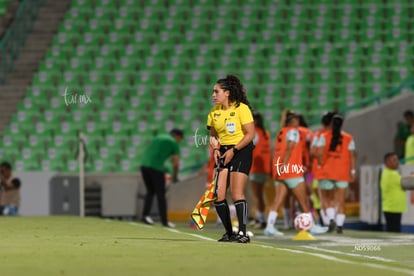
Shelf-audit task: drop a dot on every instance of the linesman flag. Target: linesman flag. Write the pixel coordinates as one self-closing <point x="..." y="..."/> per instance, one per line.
<point x="200" y="212"/>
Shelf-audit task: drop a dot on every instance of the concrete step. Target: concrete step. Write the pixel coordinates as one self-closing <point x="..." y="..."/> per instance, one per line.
<point x="14" y="79"/>
<point x="22" y="66"/>
<point x="12" y="92"/>
<point x="37" y="43"/>
<point x="15" y="97"/>
<point x="27" y="63"/>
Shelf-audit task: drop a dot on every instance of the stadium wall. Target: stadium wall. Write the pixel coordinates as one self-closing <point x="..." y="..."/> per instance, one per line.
<point x="374" y="128"/>
<point x="370" y="203"/>
<point x="121" y="195"/>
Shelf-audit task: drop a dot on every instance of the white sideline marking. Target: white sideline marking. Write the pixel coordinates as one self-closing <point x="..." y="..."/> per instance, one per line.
<point x="193" y="235"/>
<point x="319" y="255"/>
<point x="349" y="254"/>
<point x="139" y="224"/>
<point x="331" y="258"/>
<point x="202" y="237"/>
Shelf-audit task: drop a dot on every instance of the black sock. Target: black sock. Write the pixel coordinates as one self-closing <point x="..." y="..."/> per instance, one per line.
<point x="241" y="210"/>
<point x="222" y="209"/>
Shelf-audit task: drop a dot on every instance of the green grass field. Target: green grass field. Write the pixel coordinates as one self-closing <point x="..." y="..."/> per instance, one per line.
<point x="91" y="246"/>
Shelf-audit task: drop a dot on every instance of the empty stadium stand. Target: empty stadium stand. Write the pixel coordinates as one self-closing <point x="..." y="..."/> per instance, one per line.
<point x="150" y="65"/>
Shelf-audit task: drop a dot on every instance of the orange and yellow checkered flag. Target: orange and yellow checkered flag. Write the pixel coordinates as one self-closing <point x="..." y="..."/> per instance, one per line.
<point x="200" y="212"/>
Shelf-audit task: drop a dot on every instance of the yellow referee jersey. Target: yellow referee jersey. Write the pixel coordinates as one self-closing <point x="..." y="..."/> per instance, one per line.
<point x="228" y="123"/>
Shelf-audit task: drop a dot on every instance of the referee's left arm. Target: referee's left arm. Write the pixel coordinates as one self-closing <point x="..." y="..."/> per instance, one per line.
<point x="249" y="133"/>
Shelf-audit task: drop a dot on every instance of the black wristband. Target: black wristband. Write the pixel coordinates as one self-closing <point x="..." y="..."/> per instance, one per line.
<point x="235" y="151"/>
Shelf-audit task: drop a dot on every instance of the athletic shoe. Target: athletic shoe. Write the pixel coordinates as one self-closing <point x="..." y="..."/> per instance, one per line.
<point x="148" y="220"/>
<point x="226" y="237"/>
<point x="317" y="229"/>
<point x="169" y="225"/>
<point x="272" y="232"/>
<point x="339" y="230"/>
<point x="241" y="238"/>
<point x="332" y="226"/>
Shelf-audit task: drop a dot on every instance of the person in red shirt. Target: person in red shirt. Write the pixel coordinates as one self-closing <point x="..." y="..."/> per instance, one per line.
<point x="336" y="150"/>
<point x="261" y="168"/>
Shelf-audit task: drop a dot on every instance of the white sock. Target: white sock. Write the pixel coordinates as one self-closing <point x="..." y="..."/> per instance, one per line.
<point x="340" y="219"/>
<point x="271" y="219"/>
<point x="286" y="216"/>
<point x="325" y="219"/>
<point x="260" y="216"/>
<point x="313" y="221"/>
<point x="330" y="213"/>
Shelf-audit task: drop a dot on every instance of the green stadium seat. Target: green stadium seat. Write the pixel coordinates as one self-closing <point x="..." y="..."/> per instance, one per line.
<point x="71" y="166"/>
<point x="150" y="66"/>
<point x="26" y="165"/>
<point x="128" y="165"/>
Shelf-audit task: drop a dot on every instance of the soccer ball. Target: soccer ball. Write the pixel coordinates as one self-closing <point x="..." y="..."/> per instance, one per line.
<point x="304" y="222"/>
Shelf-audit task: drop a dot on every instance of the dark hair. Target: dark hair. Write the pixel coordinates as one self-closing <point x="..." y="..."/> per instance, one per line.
<point x="327" y="118"/>
<point x="289" y="116"/>
<point x="336" y="139"/>
<point x="408" y="113"/>
<point x="177" y="132"/>
<point x="5" y="165"/>
<point x="237" y="92"/>
<point x="302" y="121"/>
<point x="258" y="119"/>
<point x="388" y="155"/>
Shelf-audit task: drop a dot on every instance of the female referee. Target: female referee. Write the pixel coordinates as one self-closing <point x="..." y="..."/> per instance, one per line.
<point x="231" y="123"/>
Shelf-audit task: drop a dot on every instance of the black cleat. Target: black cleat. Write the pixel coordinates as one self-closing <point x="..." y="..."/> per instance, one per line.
<point x="339" y="230"/>
<point x="332" y="226"/>
<point x="241" y="238"/>
<point x="226" y="237"/>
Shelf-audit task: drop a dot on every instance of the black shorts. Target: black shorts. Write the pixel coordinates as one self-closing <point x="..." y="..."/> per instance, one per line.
<point x="241" y="162"/>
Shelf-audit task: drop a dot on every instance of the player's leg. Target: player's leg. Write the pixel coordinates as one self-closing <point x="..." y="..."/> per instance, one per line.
<point x="281" y="192"/>
<point x="393" y="222"/>
<point x="340" y="191"/>
<point x="298" y="188"/>
<point x="221" y="205"/>
<point x="150" y="192"/>
<point x="257" y="189"/>
<point x="238" y="182"/>
<point x="240" y="167"/>
<point x="158" y="179"/>
<point x="288" y="208"/>
<point x="328" y="197"/>
<point x="323" y="206"/>
<point x="299" y="191"/>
